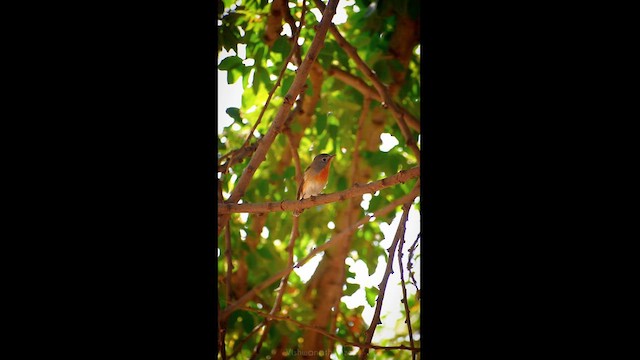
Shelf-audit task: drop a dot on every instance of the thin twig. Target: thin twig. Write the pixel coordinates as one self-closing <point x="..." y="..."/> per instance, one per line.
<point x="401" y="177"/>
<point x="323" y="332"/>
<point x="410" y="264"/>
<point x="404" y="292"/>
<point x="276" y="126"/>
<point x="383" y="284"/>
<point x="237" y="156"/>
<point x="382" y="89"/>
<point x="334" y="240"/>
<point x="263" y="337"/>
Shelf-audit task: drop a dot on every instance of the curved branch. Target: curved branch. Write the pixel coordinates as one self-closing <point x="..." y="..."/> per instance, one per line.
<point x="336" y="239"/>
<point x="412" y="248"/>
<point x="405" y="300"/>
<point x="276" y="126"/>
<point x="383" y="284"/>
<point x="367" y="91"/>
<point x="290" y="205"/>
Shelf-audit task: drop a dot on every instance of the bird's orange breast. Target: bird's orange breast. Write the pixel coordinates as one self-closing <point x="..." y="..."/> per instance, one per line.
<point x="323" y="175"/>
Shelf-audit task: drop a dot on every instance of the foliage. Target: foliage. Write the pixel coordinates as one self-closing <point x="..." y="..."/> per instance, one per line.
<point x="333" y="130"/>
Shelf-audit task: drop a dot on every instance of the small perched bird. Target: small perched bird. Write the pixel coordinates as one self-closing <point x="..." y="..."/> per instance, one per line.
<point x="315" y="178"/>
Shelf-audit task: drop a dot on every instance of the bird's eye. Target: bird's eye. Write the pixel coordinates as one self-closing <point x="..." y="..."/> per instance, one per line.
<point x="324" y="159"/>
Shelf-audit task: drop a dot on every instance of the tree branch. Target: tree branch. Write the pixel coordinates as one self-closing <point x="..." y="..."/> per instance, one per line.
<point x="323" y="332"/>
<point x="276" y="126"/>
<point x="357" y="190"/>
<point x="383" y="284"/>
<point x="367" y="91"/>
<point x="382" y="89"/>
<point x="336" y="239"/>
<point x="404" y="294"/>
<point x="410" y="265"/>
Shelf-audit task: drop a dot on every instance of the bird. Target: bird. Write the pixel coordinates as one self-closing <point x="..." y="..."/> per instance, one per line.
<point x="315" y="178"/>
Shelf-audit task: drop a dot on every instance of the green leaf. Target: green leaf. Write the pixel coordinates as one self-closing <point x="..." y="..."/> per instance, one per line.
<point x="321" y="122"/>
<point x="281" y="46"/>
<point x="247" y="320"/>
<point x="333" y="131"/>
<point x="372" y="268"/>
<point x="265" y="80"/>
<point x="233" y="75"/>
<point x="323" y="141"/>
<point x="351" y="288"/>
<point x="263" y="187"/>
<point x="258" y="53"/>
<point x="230" y="62"/>
<point x="371" y="294"/>
<point x="289" y="173"/>
<point x="350" y="275"/>
<point x="286" y="84"/>
<point x="325" y="58"/>
<point x="342" y="183"/>
<point x="296" y="127"/>
<point x="234" y="112"/>
<point x="265" y="253"/>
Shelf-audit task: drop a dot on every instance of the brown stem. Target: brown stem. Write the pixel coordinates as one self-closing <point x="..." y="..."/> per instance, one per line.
<point x="404" y="294"/>
<point x="383" y="284"/>
<point x="357" y="190"/>
<point x="412" y="248"/>
<point x="276" y="126"/>
<point x="237" y="156"/>
<point x="336" y="239"/>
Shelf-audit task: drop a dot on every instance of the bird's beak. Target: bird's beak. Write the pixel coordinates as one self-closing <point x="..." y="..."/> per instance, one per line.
<point x="332" y="156"/>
